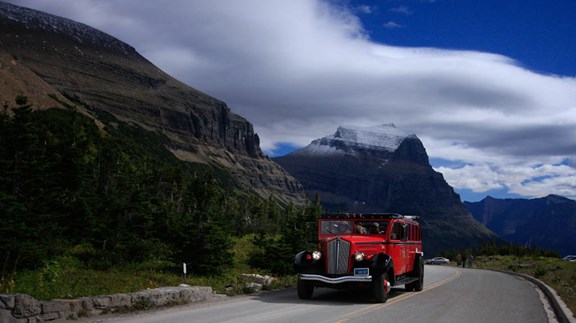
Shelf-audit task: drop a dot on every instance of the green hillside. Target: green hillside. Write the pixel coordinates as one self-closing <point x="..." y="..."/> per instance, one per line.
<point x="115" y="195"/>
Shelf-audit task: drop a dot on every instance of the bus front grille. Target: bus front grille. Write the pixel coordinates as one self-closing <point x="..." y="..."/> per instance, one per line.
<point x="338" y="255"/>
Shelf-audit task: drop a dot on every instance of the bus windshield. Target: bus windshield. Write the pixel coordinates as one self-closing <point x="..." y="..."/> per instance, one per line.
<point x="336" y="227"/>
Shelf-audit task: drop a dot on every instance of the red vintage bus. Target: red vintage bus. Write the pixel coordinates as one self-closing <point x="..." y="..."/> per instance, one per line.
<point x="378" y="250"/>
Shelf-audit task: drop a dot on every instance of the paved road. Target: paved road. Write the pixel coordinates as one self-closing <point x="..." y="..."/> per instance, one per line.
<point x="450" y="295"/>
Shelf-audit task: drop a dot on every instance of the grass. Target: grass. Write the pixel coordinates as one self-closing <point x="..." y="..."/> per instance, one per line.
<point x="55" y="281"/>
<point x="66" y="278"/>
<point x="554" y="272"/>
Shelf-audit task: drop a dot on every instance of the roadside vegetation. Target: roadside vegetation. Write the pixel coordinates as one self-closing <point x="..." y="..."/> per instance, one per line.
<point x="88" y="210"/>
<point x="67" y="277"/>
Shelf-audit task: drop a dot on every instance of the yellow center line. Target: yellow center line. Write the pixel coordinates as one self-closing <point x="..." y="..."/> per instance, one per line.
<point x="371" y="308"/>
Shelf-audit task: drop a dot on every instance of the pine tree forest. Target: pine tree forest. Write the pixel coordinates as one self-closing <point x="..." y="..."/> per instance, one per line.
<point x="115" y="194"/>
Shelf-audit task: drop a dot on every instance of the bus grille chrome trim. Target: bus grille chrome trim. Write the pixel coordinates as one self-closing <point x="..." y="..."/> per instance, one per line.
<point x="338" y="255"/>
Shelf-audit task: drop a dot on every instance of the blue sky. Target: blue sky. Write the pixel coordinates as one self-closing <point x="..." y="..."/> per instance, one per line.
<point x="488" y="86"/>
<point x="540" y="35"/>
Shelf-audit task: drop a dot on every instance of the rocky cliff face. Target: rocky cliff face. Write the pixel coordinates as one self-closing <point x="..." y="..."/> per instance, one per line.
<point x="383" y="169"/>
<point x="548" y="222"/>
<point x="56" y="61"/>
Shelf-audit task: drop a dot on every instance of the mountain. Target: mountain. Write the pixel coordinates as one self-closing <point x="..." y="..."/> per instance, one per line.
<point x="384" y="169"/>
<point x="56" y="62"/>
<point x="548" y="222"/>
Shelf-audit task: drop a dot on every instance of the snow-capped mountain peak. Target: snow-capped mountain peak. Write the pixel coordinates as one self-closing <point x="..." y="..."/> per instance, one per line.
<point x="349" y="139"/>
<point x="383" y="136"/>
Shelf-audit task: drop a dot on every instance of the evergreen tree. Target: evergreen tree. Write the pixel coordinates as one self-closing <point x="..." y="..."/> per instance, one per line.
<point x="117" y="195"/>
<point x="276" y="252"/>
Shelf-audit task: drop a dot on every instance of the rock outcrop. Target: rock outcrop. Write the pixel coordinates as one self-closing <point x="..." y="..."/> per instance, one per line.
<point x="57" y="62"/>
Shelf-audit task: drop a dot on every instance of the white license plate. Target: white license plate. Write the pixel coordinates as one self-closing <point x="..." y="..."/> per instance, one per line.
<point x="361" y="271"/>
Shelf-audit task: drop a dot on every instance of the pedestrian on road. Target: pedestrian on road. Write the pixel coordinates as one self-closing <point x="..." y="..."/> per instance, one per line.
<point x="470" y="261"/>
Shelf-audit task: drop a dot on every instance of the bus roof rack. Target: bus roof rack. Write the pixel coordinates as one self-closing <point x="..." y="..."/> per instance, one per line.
<point x="412" y="217"/>
<point x="361" y="216"/>
<point x="369" y="216"/>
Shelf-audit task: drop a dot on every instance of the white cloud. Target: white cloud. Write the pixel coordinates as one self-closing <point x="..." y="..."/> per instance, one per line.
<point x="402" y="9"/>
<point x="365" y="9"/>
<point x="521" y="179"/>
<point x="297" y="69"/>
<point x="484" y="178"/>
<point x="392" y="25"/>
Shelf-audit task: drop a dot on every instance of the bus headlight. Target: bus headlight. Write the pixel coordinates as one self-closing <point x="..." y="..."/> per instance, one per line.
<point x="359" y="256"/>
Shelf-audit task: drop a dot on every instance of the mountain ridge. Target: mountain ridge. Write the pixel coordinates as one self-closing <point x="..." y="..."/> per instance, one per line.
<point x="548" y="222"/>
<point x="79" y="32"/>
<point x="57" y="62"/>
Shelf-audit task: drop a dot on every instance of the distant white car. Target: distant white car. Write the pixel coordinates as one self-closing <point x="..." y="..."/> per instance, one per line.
<point x="437" y="261"/>
<point x="571" y="258"/>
